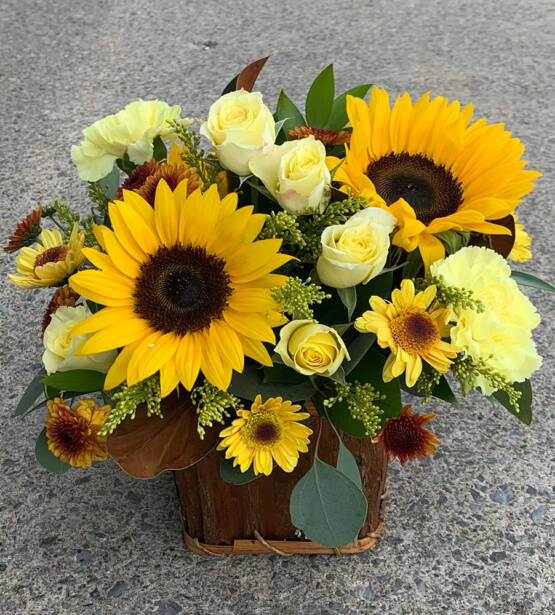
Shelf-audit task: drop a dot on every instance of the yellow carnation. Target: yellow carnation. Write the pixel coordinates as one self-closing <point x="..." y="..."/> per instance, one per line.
<point x="132" y="130"/>
<point x="500" y="335"/>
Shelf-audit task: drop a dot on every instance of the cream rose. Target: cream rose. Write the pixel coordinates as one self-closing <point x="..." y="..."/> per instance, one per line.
<point x="355" y="252"/>
<point x="60" y="346"/>
<point x="296" y="174"/>
<point x="311" y="348"/>
<point x="239" y="125"/>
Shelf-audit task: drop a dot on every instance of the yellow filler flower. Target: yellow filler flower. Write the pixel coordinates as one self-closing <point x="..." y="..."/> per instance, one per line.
<point x="434" y="170"/>
<point x="50" y="261"/>
<point x="186" y="288"/>
<point x="268" y="432"/>
<point x="411" y="326"/>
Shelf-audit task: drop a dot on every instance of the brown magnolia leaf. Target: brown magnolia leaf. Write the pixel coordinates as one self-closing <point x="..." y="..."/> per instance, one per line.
<point x="337" y="195"/>
<point x="247" y="77"/>
<point x="146" y="446"/>
<point x="502" y="244"/>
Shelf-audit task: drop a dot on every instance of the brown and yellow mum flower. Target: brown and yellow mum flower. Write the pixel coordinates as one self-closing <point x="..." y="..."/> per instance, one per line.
<point x="73" y="433"/>
<point x="327" y="137"/>
<point x="405" y="438"/>
<point x="411" y="326"/>
<point x="26" y="232"/>
<point x="51" y="261"/>
<point x="270" y="431"/>
<point x="63" y="296"/>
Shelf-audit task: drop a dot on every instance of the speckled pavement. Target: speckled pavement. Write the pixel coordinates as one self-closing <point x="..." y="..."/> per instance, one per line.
<point x="467" y="533"/>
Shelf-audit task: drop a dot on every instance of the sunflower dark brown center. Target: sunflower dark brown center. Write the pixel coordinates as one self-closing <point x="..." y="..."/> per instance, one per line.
<point x="51" y="255"/>
<point x="429" y="188"/>
<point x="181" y="289"/>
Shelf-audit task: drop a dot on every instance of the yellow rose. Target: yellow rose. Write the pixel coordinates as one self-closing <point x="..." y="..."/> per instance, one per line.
<point x="355" y="252"/>
<point x="311" y="348"/>
<point x="296" y="174"/>
<point x="501" y="335"/>
<point x="60" y="346"/>
<point x="131" y="130"/>
<point x="239" y="125"/>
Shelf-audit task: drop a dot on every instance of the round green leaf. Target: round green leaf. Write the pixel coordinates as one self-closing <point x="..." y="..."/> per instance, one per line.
<point x="46" y="459"/>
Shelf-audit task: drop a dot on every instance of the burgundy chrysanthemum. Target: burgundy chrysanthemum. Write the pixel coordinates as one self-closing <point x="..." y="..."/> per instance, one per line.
<point x="26" y="232"/>
<point x="405" y="438"/>
<point x="328" y="137"/>
<point x="63" y="296"/>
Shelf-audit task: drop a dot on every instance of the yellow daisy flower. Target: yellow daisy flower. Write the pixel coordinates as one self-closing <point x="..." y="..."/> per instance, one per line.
<point x="268" y="432"/>
<point x="411" y="326"/>
<point x="521" y="250"/>
<point x="51" y="261"/>
<point x="73" y="434"/>
<point x="187" y="288"/>
<point x="434" y="170"/>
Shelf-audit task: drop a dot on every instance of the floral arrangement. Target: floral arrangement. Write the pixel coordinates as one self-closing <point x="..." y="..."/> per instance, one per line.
<point x="290" y="265"/>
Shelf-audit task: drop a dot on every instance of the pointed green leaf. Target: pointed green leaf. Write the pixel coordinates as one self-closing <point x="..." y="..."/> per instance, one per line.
<point x="31" y="394"/>
<point x="347" y="464"/>
<point x="46" y="459"/>
<point x="110" y="183"/>
<point x="348" y="297"/>
<point x="380" y="286"/>
<point x="249" y="384"/>
<point x="288" y="111"/>
<point x="527" y="279"/>
<point x="524" y="403"/>
<point x="338" y="116"/>
<point x="78" y="380"/>
<point x="327" y="506"/>
<point x="358" y="349"/>
<point x="320" y="98"/>
<point x="159" y="151"/>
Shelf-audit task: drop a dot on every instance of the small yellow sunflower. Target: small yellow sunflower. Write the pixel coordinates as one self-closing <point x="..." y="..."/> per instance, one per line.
<point x="268" y="432"/>
<point x="434" y="170"/>
<point x="412" y="328"/>
<point x="51" y="261"/>
<point x="73" y="434"/>
<point x="187" y="288"/>
<point x="521" y="250"/>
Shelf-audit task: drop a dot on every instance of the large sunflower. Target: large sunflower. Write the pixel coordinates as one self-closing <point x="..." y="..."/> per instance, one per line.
<point x="434" y="170"/>
<point x="187" y="288"/>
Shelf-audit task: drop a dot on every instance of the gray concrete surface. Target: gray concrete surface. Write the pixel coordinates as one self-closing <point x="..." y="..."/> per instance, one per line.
<point x="469" y="532"/>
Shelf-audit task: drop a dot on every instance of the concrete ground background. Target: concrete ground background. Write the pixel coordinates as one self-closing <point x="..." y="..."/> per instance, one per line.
<point x="469" y="532"/>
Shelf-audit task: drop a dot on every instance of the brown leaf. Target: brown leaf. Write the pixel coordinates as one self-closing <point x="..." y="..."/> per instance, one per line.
<point x="146" y="446"/>
<point x="247" y="77"/>
<point x="337" y="195"/>
<point x="502" y="244"/>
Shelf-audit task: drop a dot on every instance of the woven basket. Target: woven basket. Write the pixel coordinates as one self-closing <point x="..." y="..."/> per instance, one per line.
<point x="223" y="519"/>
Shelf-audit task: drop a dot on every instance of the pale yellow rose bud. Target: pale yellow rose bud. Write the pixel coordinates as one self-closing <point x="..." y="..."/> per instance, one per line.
<point x="60" y="346"/>
<point x="239" y="125"/>
<point x="296" y="174"/>
<point x="311" y="348"/>
<point x="355" y="252"/>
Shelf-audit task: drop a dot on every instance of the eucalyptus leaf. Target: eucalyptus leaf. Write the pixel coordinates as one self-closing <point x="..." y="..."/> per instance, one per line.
<point x="33" y="391"/>
<point x="48" y="460"/>
<point x="347" y="464"/>
<point x="348" y="297"/>
<point x="524" y="403"/>
<point x="233" y="475"/>
<point x="328" y="506"/>
<point x="78" y="380"/>
<point x="338" y="116"/>
<point x="527" y="279"/>
<point x="319" y="100"/>
<point x="110" y="183"/>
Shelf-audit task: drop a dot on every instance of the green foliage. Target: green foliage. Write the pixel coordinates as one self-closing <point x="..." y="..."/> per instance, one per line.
<point x="159" y="150"/>
<point x="48" y="460"/>
<point x="33" y="391"/>
<point x="285" y="226"/>
<point x="327" y="505"/>
<point x="62" y="216"/>
<point x="77" y="380"/>
<point x="125" y="164"/>
<point x="205" y="164"/>
<point x="288" y="111"/>
<point x="432" y="384"/>
<point x="296" y="297"/>
<point x="251" y="383"/>
<point x="212" y="405"/>
<point x="454" y="240"/>
<point x="338" y="115"/>
<point x="129" y="398"/>
<point x="455" y="297"/>
<point x="526" y="279"/>
<point x="524" y="411"/>
<point x="358" y="349"/>
<point x="467" y="372"/>
<point x="232" y="474"/>
<point x="360" y="399"/>
<point x="319" y="100"/>
<point x="348" y="297"/>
